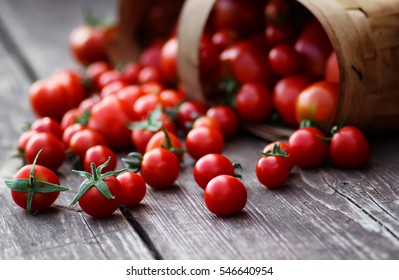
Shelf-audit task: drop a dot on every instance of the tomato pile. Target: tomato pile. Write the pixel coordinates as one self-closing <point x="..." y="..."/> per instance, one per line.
<point x="260" y="61"/>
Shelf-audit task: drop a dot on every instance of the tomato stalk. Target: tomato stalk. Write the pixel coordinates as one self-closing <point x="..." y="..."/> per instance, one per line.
<point x="276" y="151"/>
<point x="152" y="123"/>
<point x="134" y="161"/>
<point x="237" y="170"/>
<point x="168" y="145"/>
<point x="96" y="179"/>
<point x="32" y="186"/>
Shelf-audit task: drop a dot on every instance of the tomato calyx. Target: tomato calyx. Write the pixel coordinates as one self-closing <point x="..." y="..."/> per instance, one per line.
<point x="237" y="170"/>
<point x="152" y="123"/>
<point x="32" y="186"/>
<point x="133" y="161"/>
<point x="96" y="179"/>
<point x="169" y="145"/>
<point x="276" y="151"/>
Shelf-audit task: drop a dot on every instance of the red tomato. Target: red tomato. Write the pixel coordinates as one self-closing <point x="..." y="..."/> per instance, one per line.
<point x="149" y="74"/>
<point x="206" y="121"/>
<point x="317" y="103"/>
<point x="349" y="148"/>
<point x="112" y="88"/>
<point x="99" y="154"/>
<point x="224" y="38"/>
<point x="44" y="190"/>
<point x="254" y="102"/>
<point x="283" y="146"/>
<point x="47" y="125"/>
<point x="284" y="60"/>
<point x="70" y="117"/>
<point x="130" y="73"/>
<point x="146" y="104"/>
<point x="88" y="43"/>
<point x="23" y="140"/>
<point x="210" y="166"/>
<point x="245" y="17"/>
<point x="128" y="96"/>
<point x="332" y="69"/>
<point x="272" y="171"/>
<point x="168" y="61"/>
<point x="108" y="77"/>
<point x="315" y="47"/>
<point x="277" y="34"/>
<point x="201" y="141"/>
<point x="188" y="111"/>
<point x="158" y="140"/>
<point x="307" y="149"/>
<point x="140" y="139"/>
<point x="160" y="168"/>
<point x="209" y="64"/>
<point x="285" y="94"/>
<point x="70" y="131"/>
<point x="53" y="150"/>
<point x="133" y="188"/>
<point x="84" y="139"/>
<point x="247" y="63"/>
<point x="151" y="56"/>
<point x="227" y="118"/>
<point x="94" y="71"/>
<point x="170" y="98"/>
<point x="276" y="11"/>
<point x="109" y="119"/>
<point x="225" y="195"/>
<point x="48" y="98"/>
<point x="73" y="85"/>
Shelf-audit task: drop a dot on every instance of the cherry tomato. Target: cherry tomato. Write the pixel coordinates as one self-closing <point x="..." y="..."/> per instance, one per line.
<point x="315" y="47"/>
<point x="133" y="188"/>
<point x="145" y="105"/>
<point x="48" y="125"/>
<point x="159" y="140"/>
<point x="285" y="94"/>
<point x="245" y="17"/>
<point x="23" y="140"/>
<point x="277" y="34"/>
<point x="48" y="98"/>
<point x="128" y="96"/>
<point x="160" y="168"/>
<point x="88" y="43"/>
<point x="53" y="150"/>
<point x="317" y="103"/>
<point x="307" y="149"/>
<point x="170" y="98"/>
<point x="168" y="61"/>
<point x="332" y="69"/>
<point x="209" y="64"/>
<point x="210" y="166"/>
<point x="112" y="88"/>
<point x="99" y="154"/>
<point x="188" y="111"/>
<point x="227" y="118"/>
<point x="84" y="139"/>
<point x="273" y="169"/>
<point x="94" y="71"/>
<point x="130" y="73"/>
<point x="73" y="85"/>
<point x="201" y="141"/>
<point x="206" y="121"/>
<point x="254" y="102"/>
<point x="35" y="187"/>
<point x="349" y="148"/>
<point x="284" y="60"/>
<point x="108" y="77"/>
<point x="70" y="131"/>
<point x="109" y="119"/>
<point x="99" y="194"/>
<point x="70" y="117"/>
<point x="224" y="38"/>
<point x="151" y="55"/>
<point x="225" y="195"/>
<point x="247" y="62"/>
<point x="276" y="11"/>
<point x="149" y="74"/>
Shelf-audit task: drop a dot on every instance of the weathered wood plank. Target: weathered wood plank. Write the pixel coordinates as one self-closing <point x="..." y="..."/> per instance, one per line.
<point x="324" y="213"/>
<point x="62" y="232"/>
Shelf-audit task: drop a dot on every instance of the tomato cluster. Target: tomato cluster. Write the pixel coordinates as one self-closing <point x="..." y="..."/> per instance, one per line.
<point x="257" y="61"/>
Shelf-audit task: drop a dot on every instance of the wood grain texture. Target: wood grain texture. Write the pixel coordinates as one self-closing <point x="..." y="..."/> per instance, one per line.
<point x="62" y="232"/>
<point x="324" y="213"/>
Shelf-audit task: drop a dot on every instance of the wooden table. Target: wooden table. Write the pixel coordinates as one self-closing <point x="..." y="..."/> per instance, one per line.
<point x="323" y="213"/>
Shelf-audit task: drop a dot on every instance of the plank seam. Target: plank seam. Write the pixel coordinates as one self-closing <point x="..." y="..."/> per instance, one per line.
<point x="12" y="48"/>
<point x="142" y="233"/>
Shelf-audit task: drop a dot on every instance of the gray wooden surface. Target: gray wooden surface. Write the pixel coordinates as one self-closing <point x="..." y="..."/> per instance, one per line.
<point x="325" y="213"/>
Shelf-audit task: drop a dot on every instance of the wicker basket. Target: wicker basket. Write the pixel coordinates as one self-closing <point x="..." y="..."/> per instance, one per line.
<point x="365" y="37"/>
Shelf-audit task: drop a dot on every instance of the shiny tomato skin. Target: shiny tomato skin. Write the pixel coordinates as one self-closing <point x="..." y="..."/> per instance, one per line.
<point x="99" y="154"/>
<point x="72" y="82"/>
<point x="133" y="188"/>
<point x="146" y="104"/>
<point x="209" y="166"/>
<point x="277" y="34"/>
<point x="87" y="44"/>
<point x="160" y="168"/>
<point x="283" y="147"/>
<point x="188" y="111"/>
<point x="201" y="141"/>
<point x="48" y="98"/>
<point x="315" y="47"/>
<point x="284" y="60"/>
<point x="273" y="171"/>
<point x="168" y="64"/>
<point x="94" y="71"/>
<point x="95" y="204"/>
<point x="318" y="103"/>
<point x="285" y="94"/>
<point x="110" y="120"/>
<point x="84" y="139"/>
<point x="40" y="200"/>
<point x="158" y="140"/>
<point x="225" y="195"/>
<point x="70" y="131"/>
<point x="349" y="148"/>
<point x="253" y="102"/>
<point x="307" y="150"/>
<point x="53" y="153"/>
<point x="48" y="125"/>
<point x="228" y="119"/>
